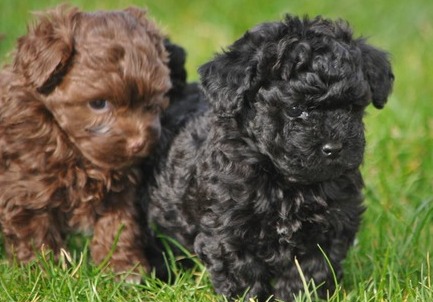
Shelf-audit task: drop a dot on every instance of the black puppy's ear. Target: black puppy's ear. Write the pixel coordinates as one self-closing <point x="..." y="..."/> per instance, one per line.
<point x="232" y="78"/>
<point x="43" y="55"/>
<point x="378" y="69"/>
<point x="225" y="81"/>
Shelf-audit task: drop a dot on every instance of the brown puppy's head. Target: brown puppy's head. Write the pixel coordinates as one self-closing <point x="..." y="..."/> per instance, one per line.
<point x="103" y="77"/>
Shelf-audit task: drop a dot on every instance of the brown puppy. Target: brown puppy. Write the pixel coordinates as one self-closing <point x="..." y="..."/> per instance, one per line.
<point x="79" y="107"/>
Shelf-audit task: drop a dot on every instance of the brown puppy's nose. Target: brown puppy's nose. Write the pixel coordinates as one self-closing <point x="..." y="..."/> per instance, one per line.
<point x="332" y="149"/>
<point x="137" y="145"/>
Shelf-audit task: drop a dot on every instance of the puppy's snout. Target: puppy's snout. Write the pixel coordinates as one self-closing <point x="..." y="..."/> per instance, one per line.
<point x="144" y="142"/>
<point x="136" y="145"/>
<point x="332" y="149"/>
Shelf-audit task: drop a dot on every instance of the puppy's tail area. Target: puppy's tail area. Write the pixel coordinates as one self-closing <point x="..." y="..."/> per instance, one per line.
<point x="176" y="64"/>
<point x="186" y="99"/>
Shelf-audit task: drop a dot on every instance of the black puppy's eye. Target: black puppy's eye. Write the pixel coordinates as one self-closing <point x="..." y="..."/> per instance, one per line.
<point x="99" y="105"/>
<point x="295" y="111"/>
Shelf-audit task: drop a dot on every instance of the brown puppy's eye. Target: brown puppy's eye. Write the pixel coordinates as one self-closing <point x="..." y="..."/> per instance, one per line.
<point x="99" y="105"/>
<point x="153" y="108"/>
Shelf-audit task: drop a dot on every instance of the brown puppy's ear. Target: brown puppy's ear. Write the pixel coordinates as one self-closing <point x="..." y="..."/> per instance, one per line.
<point x="377" y="68"/>
<point x="155" y="35"/>
<point x="43" y="55"/>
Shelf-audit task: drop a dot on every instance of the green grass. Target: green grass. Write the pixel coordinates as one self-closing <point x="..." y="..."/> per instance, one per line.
<point x="392" y="259"/>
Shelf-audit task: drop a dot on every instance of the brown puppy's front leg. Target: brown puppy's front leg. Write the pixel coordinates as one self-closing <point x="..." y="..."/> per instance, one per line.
<point x="118" y="237"/>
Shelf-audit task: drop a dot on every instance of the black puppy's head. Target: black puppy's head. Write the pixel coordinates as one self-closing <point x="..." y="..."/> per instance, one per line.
<point x="298" y="89"/>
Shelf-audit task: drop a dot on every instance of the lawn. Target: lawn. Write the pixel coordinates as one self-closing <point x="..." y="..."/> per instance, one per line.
<point x="392" y="257"/>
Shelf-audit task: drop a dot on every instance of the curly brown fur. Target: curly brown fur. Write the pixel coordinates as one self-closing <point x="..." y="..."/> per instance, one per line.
<point x="270" y="173"/>
<point x="79" y="109"/>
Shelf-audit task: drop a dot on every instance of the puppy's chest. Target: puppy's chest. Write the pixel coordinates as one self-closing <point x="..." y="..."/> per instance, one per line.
<point x="98" y="199"/>
<point x="87" y="193"/>
<point x="297" y="214"/>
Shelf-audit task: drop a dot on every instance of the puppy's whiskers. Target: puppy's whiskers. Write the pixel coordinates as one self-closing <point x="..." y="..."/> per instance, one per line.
<point x="99" y="129"/>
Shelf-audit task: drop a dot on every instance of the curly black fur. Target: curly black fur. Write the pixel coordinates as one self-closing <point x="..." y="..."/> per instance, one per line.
<point x="186" y="100"/>
<point x="270" y="173"/>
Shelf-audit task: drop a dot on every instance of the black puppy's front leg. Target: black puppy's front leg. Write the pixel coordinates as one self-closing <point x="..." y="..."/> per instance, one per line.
<point x="313" y="266"/>
<point x="233" y="272"/>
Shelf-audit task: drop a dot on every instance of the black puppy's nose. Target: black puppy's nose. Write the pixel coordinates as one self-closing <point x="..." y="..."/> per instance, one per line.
<point x="331" y="149"/>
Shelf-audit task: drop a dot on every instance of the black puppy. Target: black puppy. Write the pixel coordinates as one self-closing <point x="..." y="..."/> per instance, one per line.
<point x="269" y="175"/>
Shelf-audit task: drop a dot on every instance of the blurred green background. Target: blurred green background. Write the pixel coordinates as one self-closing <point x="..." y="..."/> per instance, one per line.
<point x="203" y="27"/>
<point x="391" y="261"/>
